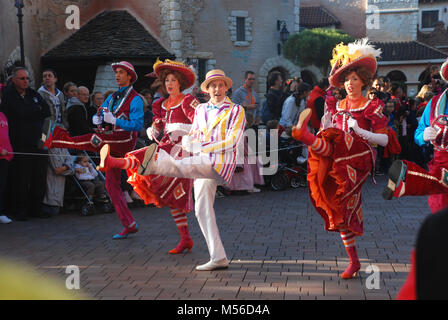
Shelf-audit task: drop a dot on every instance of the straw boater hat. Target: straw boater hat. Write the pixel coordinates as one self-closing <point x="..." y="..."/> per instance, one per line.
<point x="357" y="54"/>
<point x="444" y="70"/>
<point x="168" y="64"/>
<point x="214" y="75"/>
<point x="128" y="67"/>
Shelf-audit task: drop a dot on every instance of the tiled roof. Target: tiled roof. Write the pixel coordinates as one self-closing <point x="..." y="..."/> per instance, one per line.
<point x="316" y="17"/>
<point x="110" y="35"/>
<point x="405" y="51"/>
<point x="438" y="37"/>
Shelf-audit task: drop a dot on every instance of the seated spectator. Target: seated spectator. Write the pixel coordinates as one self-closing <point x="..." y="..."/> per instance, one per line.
<point x="87" y="176"/>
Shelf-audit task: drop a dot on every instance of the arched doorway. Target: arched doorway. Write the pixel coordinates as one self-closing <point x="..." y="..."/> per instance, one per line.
<point x="397" y="76"/>
<point x="271" y="64"/>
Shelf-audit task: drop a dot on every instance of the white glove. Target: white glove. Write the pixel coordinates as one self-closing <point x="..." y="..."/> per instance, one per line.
<point x="109" y="117"/>
<point x="429" y="134"/>
<point x="97" y="120"/>
<point x="353" y="124"/>
<point x="190" y="145"/>
<point x="149" y="133"/>
<point x="326" y="121"/>
<point x="152" y="132"/>
<point x="375" y="138"/>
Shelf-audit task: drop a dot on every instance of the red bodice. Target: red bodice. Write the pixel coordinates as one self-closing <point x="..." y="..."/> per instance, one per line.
<point x="368" y="114"/>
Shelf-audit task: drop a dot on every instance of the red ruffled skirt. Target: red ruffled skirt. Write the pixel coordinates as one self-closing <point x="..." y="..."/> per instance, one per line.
<point x="175" y="193"/>
<point x="335" y="181"/>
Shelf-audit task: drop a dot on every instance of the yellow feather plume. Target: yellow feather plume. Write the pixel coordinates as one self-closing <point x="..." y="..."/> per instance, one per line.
<point x="168" y="61"/>
<point x="343" y="54"/>
<point x="340" y="55"/>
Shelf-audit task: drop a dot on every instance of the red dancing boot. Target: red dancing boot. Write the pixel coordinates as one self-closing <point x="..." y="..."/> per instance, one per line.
<point x="185" y="241"/>
<point x="108" y="162"/>
<point x="300" y="131"/>
<point x="354" y="266"/>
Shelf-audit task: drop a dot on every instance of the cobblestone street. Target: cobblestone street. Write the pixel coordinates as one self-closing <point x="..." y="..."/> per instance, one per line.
<point x="275" y="240"/>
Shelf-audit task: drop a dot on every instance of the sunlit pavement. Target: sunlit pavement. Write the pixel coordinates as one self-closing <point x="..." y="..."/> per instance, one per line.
<point x="275" y="240"/>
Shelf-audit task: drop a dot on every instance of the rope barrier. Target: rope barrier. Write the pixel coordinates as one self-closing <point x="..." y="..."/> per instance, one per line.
<point x="97" y="157"/>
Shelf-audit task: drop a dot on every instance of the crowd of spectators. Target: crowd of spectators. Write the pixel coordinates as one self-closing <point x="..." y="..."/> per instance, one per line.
<point x="29" y="171"/>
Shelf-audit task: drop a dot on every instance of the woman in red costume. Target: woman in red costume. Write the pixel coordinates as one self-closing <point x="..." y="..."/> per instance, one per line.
<point x="341" y="156"/>
<point x="172" y="120"/>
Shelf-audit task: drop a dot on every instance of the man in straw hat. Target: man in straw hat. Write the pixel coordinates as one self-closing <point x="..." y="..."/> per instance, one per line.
<point x="122" y="113"/>
<point x="213" y="140"/>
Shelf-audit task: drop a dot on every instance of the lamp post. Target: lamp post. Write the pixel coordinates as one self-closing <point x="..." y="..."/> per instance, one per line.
<point x="19" y="5"/>
<point x="284" y="34"/>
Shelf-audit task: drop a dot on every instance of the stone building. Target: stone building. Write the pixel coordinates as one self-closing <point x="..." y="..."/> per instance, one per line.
<point x="232" y="35"/>
<point x="411" y="33"/>
<point x="394" y="27"/>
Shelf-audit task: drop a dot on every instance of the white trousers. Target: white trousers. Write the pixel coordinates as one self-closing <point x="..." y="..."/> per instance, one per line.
<point x="205" y="184"/>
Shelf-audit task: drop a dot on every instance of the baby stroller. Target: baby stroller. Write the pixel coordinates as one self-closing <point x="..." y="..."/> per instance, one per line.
<point x="290" y="173"/>
<point x="76" y="198"/>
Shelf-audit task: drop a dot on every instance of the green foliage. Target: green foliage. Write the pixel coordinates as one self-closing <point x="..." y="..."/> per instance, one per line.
<point x="314" y="46"/>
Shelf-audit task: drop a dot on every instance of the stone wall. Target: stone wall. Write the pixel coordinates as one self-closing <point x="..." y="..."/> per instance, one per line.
<point x="392" y="20"/>
<point x="214" y="35"/>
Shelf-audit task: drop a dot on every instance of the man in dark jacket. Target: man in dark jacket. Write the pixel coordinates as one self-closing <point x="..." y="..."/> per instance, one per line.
<point x="275" y="96"/>
<point x="26" y="112"/>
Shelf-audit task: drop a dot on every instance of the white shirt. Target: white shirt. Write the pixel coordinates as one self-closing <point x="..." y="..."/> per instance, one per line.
<point x="87" y="174"/>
